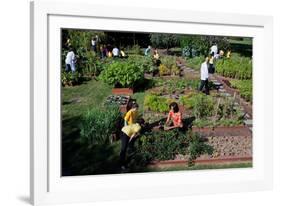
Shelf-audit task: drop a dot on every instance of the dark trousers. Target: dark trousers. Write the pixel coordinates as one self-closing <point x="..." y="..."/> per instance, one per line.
<point x="204" y="83"/>
<point x="67" y="67"/>
<point x="124" y="145"/>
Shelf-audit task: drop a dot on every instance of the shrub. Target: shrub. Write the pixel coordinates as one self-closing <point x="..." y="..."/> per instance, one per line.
<point x="245" y="88"/>
<point x="197" y="147"/>
<point x="162" y="145"/>
<point x="70" y="79"/>
<point x="135" y="50"/>
<point x="164" y="70"/>
<point x="202" y="105"/>
<point x="235" y="67"/>
<point x="156" y="103"/>
<point x="92" y="65"/>
<point x="98" y="125"/>
<point x="168" y="66"/>
<point x="127" y="74"/>
<point x="144" y="63"/>
<point x="165" y="145"/>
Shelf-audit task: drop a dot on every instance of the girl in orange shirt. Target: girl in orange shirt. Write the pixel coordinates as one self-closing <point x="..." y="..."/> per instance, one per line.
<point x="175" y="116"/>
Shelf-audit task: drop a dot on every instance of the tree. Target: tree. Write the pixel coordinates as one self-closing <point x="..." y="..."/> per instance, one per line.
<point x="166" y="41"/>
<point x="202" y="44"/>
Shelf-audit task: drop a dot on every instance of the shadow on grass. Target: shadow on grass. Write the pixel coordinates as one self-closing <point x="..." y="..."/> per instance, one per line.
<point x="145" y="84"/>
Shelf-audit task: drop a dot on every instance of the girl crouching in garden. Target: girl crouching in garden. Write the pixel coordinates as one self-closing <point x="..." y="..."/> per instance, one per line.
<point x="174" y="116"/>
<point x="128" y="135"/>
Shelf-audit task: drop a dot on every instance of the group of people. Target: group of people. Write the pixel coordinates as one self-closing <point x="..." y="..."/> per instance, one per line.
<point x="208" y="66"/>
<point x="133" y="126"/>
<point x="102" y="49"/>
<point x="109" y="51"/>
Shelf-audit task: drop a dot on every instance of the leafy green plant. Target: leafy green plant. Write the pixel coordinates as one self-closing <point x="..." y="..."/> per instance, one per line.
<point x="195" y="62"/>
<point x="98" y="125"/>
<point x="165" y="145"/>
<point x="168" y="66"/>
<point x="144" y="63"/>
<point x="187" y="101"/>
<point x="127" y="74"/>
<point x="245" y="88"/>
<point x="156" y="103"/>
<point x="162" y="145"/>
<point x="201" y="104"/>
<point x="134" y="50"/>
<point x="237" y="67"/>
<point x="70" y="78"/>
<point x="197" y="147"/>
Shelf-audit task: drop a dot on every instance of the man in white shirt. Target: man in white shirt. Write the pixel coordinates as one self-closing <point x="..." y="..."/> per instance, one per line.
<point x="94" y="44"/>
<point x="70" y="61"/>
<point x="214" y="49"/>
<point x="115" y="52"/>
<point x="204" y="76"/>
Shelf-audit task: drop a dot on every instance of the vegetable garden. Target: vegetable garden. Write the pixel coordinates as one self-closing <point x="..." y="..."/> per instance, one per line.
<point x="92" y="115"/>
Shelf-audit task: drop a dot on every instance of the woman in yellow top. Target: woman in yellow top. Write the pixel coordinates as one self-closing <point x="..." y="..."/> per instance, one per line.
<point x="131" y="115"/>
<point x="128" y="136"/>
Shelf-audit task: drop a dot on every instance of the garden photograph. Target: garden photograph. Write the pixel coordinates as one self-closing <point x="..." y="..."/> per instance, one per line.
<point x="136" y="102"/>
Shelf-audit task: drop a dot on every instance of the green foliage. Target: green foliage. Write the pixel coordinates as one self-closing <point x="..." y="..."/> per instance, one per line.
<point x="162" y="145"/>
<point x="237" y="67"/>
<point x="144" y="63"/>
<point x="92" y="66"/>
<point x="202" y="105"/>
<point x="125" y="73"/>
<point x="97" y="125"/>
<point x="168" y="66"/>
<point x="156" y="103"/>
<point x="187" y="101"/>
<point x="135" y="50"/>
<point x="195" y="62"/>
<point x="164" y="40"/>
<point x="80" y="41"/>
<point x="197" y="147"/>
<point x="245" y="88"/>
<point x="165" y="145"/>
<point x="70" y="78"/>
<point x="201" y="44"/>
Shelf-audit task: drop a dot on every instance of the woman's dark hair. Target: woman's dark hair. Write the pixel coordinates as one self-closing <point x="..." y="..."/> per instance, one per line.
<point x="131" y="104"/>
<point x="135" y="105"/>
<point x="175" y="107"/>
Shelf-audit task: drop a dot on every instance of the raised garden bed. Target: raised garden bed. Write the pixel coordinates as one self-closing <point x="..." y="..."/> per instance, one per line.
<point x="120" y="100"/>
<point x="227" y="149"/>
<point x="125" y="91"/>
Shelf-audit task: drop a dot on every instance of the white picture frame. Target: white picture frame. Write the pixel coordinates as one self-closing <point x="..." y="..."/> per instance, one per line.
<point x="47" y="186"/>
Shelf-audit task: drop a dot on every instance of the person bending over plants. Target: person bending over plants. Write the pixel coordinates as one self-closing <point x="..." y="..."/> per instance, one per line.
<point x="131" y="115"/>
<point x="128" y="135"/>
<point x="174" y="116"/>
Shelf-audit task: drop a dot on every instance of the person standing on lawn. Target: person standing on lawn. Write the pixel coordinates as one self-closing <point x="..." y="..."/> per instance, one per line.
<point x="175" y="116"/>
<point x="204" y="73"/>
<point x="70" y="61"/>
<point x="128" y="135"/>
<point x="131" y="115"/>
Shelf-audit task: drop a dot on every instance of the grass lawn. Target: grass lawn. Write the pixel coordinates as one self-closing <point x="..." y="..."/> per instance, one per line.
<point x="78" y="99"/>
